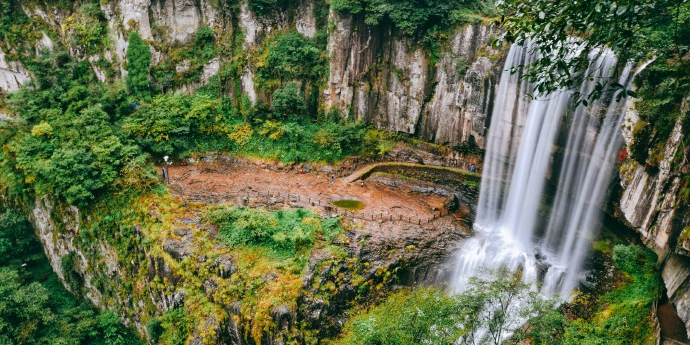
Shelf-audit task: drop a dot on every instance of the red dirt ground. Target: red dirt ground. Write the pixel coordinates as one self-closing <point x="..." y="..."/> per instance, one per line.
<point x="250" y="184"/>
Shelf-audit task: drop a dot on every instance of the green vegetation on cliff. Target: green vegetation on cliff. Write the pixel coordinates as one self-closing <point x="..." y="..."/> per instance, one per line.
<point x="34" y="306"/>
<point x="491" y="309"/>
<point x="486" y="311"/>
<point x="422" y="19"/>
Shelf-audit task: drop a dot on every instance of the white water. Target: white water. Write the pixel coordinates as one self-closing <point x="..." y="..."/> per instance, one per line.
<point x="518" y="160"/>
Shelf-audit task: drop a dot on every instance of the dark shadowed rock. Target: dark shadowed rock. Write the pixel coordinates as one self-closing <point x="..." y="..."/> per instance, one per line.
<point x="452" y="203"/>
<point x="179" y="248"/>
<point x="225" y="266"/>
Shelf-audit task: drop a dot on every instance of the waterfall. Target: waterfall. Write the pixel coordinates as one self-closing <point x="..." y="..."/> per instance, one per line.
<point x="510" y="228"/>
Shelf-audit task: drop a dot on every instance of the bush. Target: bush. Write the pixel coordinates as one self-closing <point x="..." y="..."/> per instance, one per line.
<point x="69" y="272"/>
<point x="154" y="329"/>
<point x="288" y="101"/>
<point x="289" y="56"/>
<point x="286" y="232"/>
<point x="66" y="143"/>
<point x="87" y="29"/>
<point x="422" y="19"/>
<point x="624" y="314"/>
<point x="173" y="124"/>
<point x="35" y="308"/>
<point x="266" y="7"/>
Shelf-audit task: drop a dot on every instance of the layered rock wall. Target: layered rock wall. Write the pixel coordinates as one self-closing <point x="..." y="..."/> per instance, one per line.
<point x="376" y="74"/>
<point x="380" y="76"/>
<point x="654" y="202"/>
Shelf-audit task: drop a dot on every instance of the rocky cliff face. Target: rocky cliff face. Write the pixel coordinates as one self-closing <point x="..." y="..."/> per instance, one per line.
<point x="165" y="259"/>
<point x="379" y="76"/>
<point x="12" y="74"/>
<point x="376" y="74"/>
<point x="654" y="202"/>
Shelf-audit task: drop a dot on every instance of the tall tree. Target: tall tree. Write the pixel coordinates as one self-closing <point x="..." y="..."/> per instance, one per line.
<point x="138" y="67"/>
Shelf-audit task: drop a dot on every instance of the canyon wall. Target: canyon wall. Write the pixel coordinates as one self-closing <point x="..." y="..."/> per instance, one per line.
<point x="375" y="74"/>
<point x="653" y="200"/>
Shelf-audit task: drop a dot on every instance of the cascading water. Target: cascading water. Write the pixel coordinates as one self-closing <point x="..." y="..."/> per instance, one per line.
<point x="518" y="159"/>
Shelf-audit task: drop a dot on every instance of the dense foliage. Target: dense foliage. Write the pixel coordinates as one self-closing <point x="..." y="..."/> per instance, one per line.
<point x="75" y="137"/>
<point x="138" y="66"/>
<point x="286" y="231"/>
<point x="634" y="29"/>
<point x="419" y="18"/>
<point x="186" y="61"/>
<point x="624" y="314"/>
<point x="34" y="306"/>
<point x="87" y="29"/>
<point x="494" y="307"/>
<point x="290" y="56"/>
<point x="487" y="313"/>
<point x="66" y="141"/>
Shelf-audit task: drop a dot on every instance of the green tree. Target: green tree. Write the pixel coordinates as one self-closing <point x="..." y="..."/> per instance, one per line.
<point x="138" y="67"/>
<point x="288" y="101"/>
<point x="491" y="310"/>
<point x="290" y="56"/>
<point x="23" y="308"/>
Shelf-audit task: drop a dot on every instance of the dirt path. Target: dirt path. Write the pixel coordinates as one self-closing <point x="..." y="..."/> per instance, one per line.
<point x="251" y="185"/>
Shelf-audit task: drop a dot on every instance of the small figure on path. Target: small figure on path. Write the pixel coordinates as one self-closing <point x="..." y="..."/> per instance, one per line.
<point x="165" y="175"/>
<point x="472" y="168"/>
<point x="332" y="178"/>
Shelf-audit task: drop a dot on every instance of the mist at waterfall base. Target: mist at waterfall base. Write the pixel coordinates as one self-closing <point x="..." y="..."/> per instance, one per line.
<point x="509" y="230"/>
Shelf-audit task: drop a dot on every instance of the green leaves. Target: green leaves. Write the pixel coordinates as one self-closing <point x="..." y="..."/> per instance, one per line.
<point x="290" y="56"/>
<point x="287" y="232"/>
<point x="423" y="19"/>
<point x="171" y="124"/>
<point x="634" y="29"/>
<point x="288" y="101"/>
<point x="34" y="306"/>
<point x="493" y="307"/>
<point x="138" y="67"/>
<point x="623" y="317"/>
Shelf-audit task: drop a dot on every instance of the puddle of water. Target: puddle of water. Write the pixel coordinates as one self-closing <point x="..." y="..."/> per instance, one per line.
<point x="352" y="205"/>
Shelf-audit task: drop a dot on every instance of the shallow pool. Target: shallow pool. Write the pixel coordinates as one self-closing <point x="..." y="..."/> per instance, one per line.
<point x="352" y="205"/>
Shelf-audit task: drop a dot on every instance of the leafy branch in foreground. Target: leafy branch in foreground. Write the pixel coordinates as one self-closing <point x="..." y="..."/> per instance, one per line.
<point x="635" y="30"/>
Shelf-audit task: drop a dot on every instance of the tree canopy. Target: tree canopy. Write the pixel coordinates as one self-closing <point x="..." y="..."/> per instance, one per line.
<point x="635" y="30"/>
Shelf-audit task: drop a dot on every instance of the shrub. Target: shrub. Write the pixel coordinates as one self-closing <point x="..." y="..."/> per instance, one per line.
<point x="288" y="101"/>
<point x="289" y="56"/>
<point x="154" y="329"/>
<point x="286" y="232"/>
<point x="138" y="67"/>
<point x="484" y="314"/>
<point x="69" y="272"/>
<point x="87" y="29"/>
<point x="623" y="317"/>
<point x="422" y="19"/>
